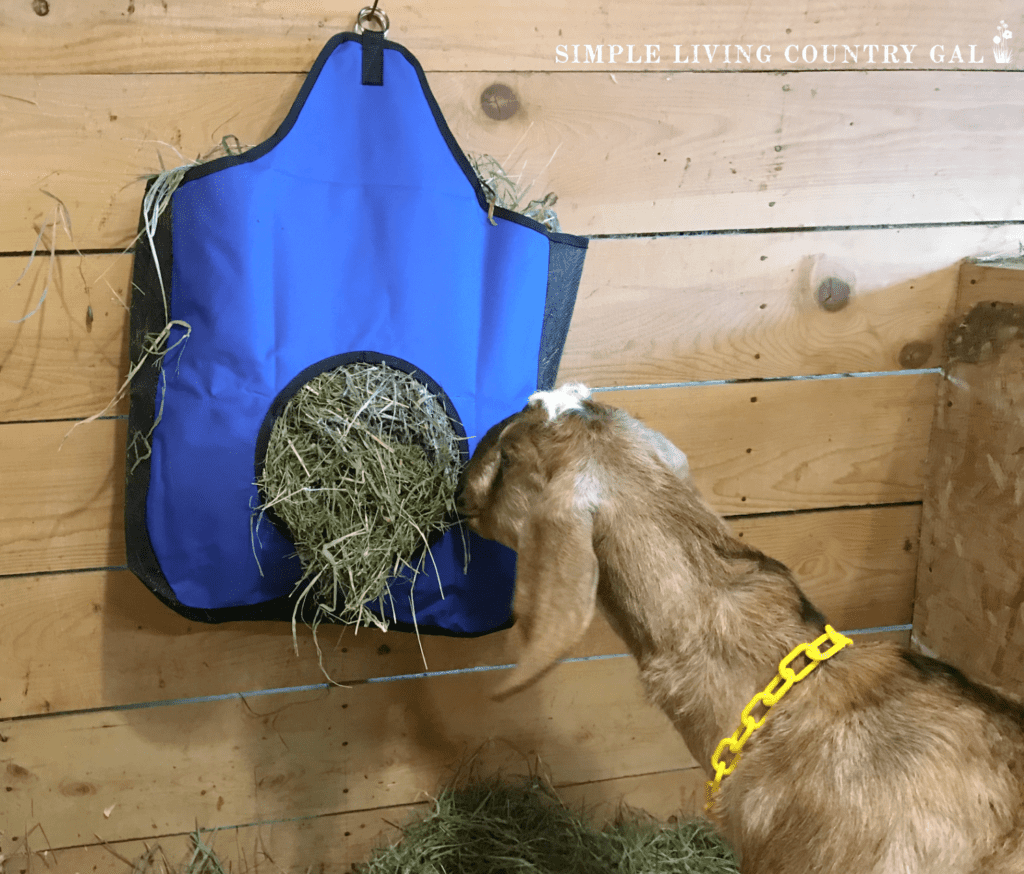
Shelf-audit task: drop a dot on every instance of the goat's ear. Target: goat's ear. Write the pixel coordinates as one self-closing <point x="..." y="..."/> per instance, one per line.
<point x="556" y="591"/>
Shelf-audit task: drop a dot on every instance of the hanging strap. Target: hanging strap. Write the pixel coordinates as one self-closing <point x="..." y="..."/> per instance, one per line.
<point x="373" y="57"/>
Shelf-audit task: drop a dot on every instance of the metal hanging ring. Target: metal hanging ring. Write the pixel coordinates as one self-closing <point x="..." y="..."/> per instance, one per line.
<point x="372" y="14"/>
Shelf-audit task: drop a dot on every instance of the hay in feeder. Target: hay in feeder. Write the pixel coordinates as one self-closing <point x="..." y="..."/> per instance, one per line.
<point x="507" y="192"/>
<point x="496" y="828"/>
<point x="361" y="468"/>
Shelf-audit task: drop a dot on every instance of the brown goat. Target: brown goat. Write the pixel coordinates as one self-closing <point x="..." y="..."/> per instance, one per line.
<point x="882" y="761"/>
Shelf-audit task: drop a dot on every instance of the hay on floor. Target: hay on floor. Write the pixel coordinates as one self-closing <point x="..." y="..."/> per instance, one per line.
<point x="500" y="827"/>
<point x="361" y="468"/>
<point x="505" y="827"/>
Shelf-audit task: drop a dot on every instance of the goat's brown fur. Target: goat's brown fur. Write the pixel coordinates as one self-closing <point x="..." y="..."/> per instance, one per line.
<point x="880" y="762"/>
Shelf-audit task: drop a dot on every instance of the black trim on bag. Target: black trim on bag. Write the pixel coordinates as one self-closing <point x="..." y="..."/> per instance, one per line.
<point x="281" y="609"/>
<point x="147" y="316"/>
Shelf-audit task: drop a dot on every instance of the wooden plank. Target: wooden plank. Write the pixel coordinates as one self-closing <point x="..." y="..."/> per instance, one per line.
<point x="68" y="358"/>
<point x="92" y="36"/>
<point x="796" y="444"/>
<point x="338" y="840"/>
<point x="61" y="506"/>
<point x="303" y="754"/>
<point x="987" y="280"/>
<point x="145" y="773"/>
<point x="854" y="565"/>
<point x="970" y="600"/>
<point x="637" y="154"/>
<point x="335" y="842"/>
<point x="128" y="648"/>
<point x="803" y="444"/>
<point x="657" y="310"/>
<point x="650" y="310"/>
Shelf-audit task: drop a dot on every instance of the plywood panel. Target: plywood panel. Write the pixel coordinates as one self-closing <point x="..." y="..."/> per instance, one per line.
<point x="650" y="310"/>
<point x="857" y="566"/>
<point x="799" y="445"/>
<point x="633" y="154"/>
<point x="970" y="596"/>
<point x="93" y="36"/>
<point x="992" y="279"/>
<point x="300" y="754"/>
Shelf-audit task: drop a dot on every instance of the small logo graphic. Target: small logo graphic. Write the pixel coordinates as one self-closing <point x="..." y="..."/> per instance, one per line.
<point x="1002" y="50"/>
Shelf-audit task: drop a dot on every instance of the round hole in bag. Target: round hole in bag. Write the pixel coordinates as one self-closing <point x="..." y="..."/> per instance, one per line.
<point x="357" y="464"/>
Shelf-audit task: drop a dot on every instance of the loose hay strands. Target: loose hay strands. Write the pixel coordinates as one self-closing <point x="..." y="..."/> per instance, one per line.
<point x="508" y="193"/>
<point x="61" y="220"/>
<point x="156" y="344"/>
<point x="362" y="468"/>
<point x="498" y="828"/>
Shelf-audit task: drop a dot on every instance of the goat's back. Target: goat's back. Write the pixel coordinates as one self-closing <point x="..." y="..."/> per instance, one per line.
<point x="882" y="761"/>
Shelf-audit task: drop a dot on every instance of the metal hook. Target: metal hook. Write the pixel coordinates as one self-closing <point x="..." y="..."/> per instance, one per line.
<point x="372" y="13"/>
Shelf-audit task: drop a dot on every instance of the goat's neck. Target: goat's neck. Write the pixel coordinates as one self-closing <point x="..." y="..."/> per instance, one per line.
<point x="708" y="626"/>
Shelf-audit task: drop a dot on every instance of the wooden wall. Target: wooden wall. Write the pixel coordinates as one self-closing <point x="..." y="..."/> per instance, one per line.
<point x="718" y="196"/>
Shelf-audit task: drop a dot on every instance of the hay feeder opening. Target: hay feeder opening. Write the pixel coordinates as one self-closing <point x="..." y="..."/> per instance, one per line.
<point x="361" y="470"/>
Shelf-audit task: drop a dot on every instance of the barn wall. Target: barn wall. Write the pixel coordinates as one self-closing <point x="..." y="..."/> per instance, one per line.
<point x="718" y="196"/>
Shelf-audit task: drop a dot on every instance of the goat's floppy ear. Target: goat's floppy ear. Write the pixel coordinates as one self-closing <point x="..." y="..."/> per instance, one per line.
<point x="556" y="591"/>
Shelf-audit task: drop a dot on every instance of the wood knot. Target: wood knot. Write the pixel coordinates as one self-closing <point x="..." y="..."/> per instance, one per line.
<point x="832" y="294"/>
<point x="915" y="354"/>
<point x="17" y="772"/>
<point x="499" y="102"/>
<point x="76" y="788"/>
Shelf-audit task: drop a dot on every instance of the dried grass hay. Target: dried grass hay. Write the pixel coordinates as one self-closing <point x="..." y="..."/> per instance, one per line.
<point x="361" y="468"/>
<point x="497" y="827"/>
<point x="505" y="827"/>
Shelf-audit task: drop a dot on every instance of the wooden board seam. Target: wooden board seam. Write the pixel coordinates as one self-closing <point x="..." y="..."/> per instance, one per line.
<point x="370" y="681"/>
<point x="797" y="229"/>
<point x="802" y="511"/>
<point x="757" y="380"/>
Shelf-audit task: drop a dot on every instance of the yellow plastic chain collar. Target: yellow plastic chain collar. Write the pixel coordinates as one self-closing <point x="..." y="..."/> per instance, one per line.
<point x="771" y="696"/>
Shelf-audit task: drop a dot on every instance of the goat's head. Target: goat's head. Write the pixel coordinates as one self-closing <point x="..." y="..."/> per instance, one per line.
<point x="535" y="483"/>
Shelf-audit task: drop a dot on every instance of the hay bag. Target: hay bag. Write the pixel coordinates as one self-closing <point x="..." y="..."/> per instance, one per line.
<point x="357" y="234"/>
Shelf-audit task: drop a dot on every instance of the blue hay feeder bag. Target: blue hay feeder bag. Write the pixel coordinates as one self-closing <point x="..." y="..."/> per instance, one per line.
<point x="357" y="232"/>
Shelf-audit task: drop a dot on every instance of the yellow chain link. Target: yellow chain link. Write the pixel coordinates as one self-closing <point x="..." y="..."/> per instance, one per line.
<point x="768" y="698"/>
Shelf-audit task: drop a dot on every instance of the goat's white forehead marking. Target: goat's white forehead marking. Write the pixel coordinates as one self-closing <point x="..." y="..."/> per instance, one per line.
<point x="566" y="397"/>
